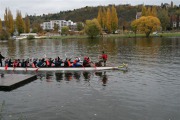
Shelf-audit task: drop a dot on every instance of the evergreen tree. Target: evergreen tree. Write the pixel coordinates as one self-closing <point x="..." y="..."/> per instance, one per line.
<point x="19" y="22"/>
<point x="27" y="24"/>
<point x="164" y="18"/>
<point x="177" y="17"/>
<point x="80" y="26"/>
<point x="9" y="22"/>
<point x="114" y="19"/>
<point x="108" y="22"/>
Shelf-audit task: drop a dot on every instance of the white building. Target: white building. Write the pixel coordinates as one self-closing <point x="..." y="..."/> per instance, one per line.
<point x="60" y="23"/>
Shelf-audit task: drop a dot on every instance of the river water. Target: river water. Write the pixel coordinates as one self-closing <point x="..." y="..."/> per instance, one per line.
<point x="149" y="90"/>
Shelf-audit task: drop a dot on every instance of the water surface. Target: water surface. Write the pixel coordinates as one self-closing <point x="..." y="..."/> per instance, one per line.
<point x="148" y="91"/>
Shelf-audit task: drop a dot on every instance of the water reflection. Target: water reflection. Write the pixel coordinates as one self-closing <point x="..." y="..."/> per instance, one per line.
<point x="103" y="77"/>
<point x="74" y="76"/>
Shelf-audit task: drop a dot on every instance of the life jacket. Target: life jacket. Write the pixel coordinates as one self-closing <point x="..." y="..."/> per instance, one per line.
<point x="75" y="61"/>
<point x="33" y="65"/>
<point x="15" y="63"/>
<point x="104" y="56"/>
<point x="69" y="63"/>
<point x="47" y="62"/>
<point x="6" y="66"/>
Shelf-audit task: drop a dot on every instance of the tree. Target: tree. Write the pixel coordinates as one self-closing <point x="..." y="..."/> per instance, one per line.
<point x="104" y="18"/>
<point x="100" y="17"/>
<point x="36" y="27"/>
<point x="134" y="26"/>
<point x="143" y="11"/>
<point x="9" y="22"/>
<point x="177" y="18"/>
<point x="147" y="24"/>
<point x="164" y="18"/>
<point x="19" y="22"/>
<point x="56" y="27"/>
<point x="4" y="35"/>
<point x="92" y="28"/>
<point x="108" y="22"/>
<point x="27" y="24"/>
<point x="80" y="26"/>
<point x="114" y="19"/>
<point x="0" y="25"/>
<point x="149" y="11"/>
<point x="64" y="30"/>
<point x="154" y="11"/>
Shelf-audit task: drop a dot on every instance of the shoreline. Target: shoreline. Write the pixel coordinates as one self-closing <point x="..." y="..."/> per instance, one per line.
<point x="125" y="35"/>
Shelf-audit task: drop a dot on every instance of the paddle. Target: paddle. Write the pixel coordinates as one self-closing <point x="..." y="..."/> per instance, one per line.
<point x="123" y="65"/>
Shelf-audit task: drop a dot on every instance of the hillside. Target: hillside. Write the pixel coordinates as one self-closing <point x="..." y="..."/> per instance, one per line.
<point x="125" y="14"/>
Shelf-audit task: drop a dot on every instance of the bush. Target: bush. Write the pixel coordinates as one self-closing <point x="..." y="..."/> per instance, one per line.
<point x="30" y="37"/>
<point x="4" y="35"/>
<point x="92" y="28"/>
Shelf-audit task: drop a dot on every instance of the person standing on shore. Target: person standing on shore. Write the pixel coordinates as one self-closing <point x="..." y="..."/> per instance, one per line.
<point x="1" y="58"/>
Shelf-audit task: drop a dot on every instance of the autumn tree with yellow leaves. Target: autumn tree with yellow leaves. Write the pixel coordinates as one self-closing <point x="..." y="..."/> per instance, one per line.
<point x="27" y="24"/>
<point x="114" y="19"/>
<point x="147" y="24"/>
<point x="108" y="19"/>
<point x="9" y="22"/>
<point x="20" y="25"/>
<point x="134" y="26"/>
<point x="149" y="11"/>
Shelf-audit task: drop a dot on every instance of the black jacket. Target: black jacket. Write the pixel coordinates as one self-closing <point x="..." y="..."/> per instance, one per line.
<point x="1" y="57"/>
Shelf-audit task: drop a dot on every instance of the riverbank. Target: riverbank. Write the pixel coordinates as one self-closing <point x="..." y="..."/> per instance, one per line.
<point x="125" y="35"/>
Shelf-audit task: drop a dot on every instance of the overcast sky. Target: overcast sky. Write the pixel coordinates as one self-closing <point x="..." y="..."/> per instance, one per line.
<point x="39" y="7"/>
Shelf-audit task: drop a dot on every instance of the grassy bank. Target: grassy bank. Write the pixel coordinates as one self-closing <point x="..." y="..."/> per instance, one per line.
<point x="126" y="35"/>
<point x="68" y="37"/>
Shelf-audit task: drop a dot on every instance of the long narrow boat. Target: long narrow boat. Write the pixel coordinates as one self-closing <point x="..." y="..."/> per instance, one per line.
<point x="121" y="67"/>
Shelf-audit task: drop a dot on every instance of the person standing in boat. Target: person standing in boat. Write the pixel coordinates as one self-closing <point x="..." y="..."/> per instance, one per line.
<point x="103" y="58"/>
<point x="1" y="58"/>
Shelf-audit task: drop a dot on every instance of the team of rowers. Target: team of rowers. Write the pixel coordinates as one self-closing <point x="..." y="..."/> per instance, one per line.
<point x="57" y="62"/>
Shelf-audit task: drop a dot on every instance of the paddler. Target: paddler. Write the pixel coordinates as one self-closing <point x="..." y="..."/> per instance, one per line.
<point x="103" y="58"/>
<point x="1" y="58"/>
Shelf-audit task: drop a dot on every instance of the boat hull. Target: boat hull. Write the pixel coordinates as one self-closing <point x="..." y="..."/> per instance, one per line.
<point x="58" y="68"/>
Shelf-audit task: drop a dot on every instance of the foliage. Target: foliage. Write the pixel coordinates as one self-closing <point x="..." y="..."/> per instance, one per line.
<point x="164" y="18"/>
<point x="4" y="35"/>
<point x="92" y="28"/>
<point x="9" y="22"/>
<point x="134" y="26"/>
<point x="100" y="17"/>
<point x="108" y="22"/>
<point x="20" y="25"/>
<point x="30" y="37"/>
<point x="114" y="19"/>
<point x="0" y="25"/>
<point x="149" y="11"/>
<point x="64" y="30"/>
<point x="147" y="24"/>
<point x="36" y="28"/>
<point x="178" y="16"/>
<point x="56" y="27"/>
<point x="80" y="26"/>
<point x="27" y="24"/>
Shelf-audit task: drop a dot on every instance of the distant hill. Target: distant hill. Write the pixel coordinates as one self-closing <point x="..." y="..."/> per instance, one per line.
<point x="126" y="14"/>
